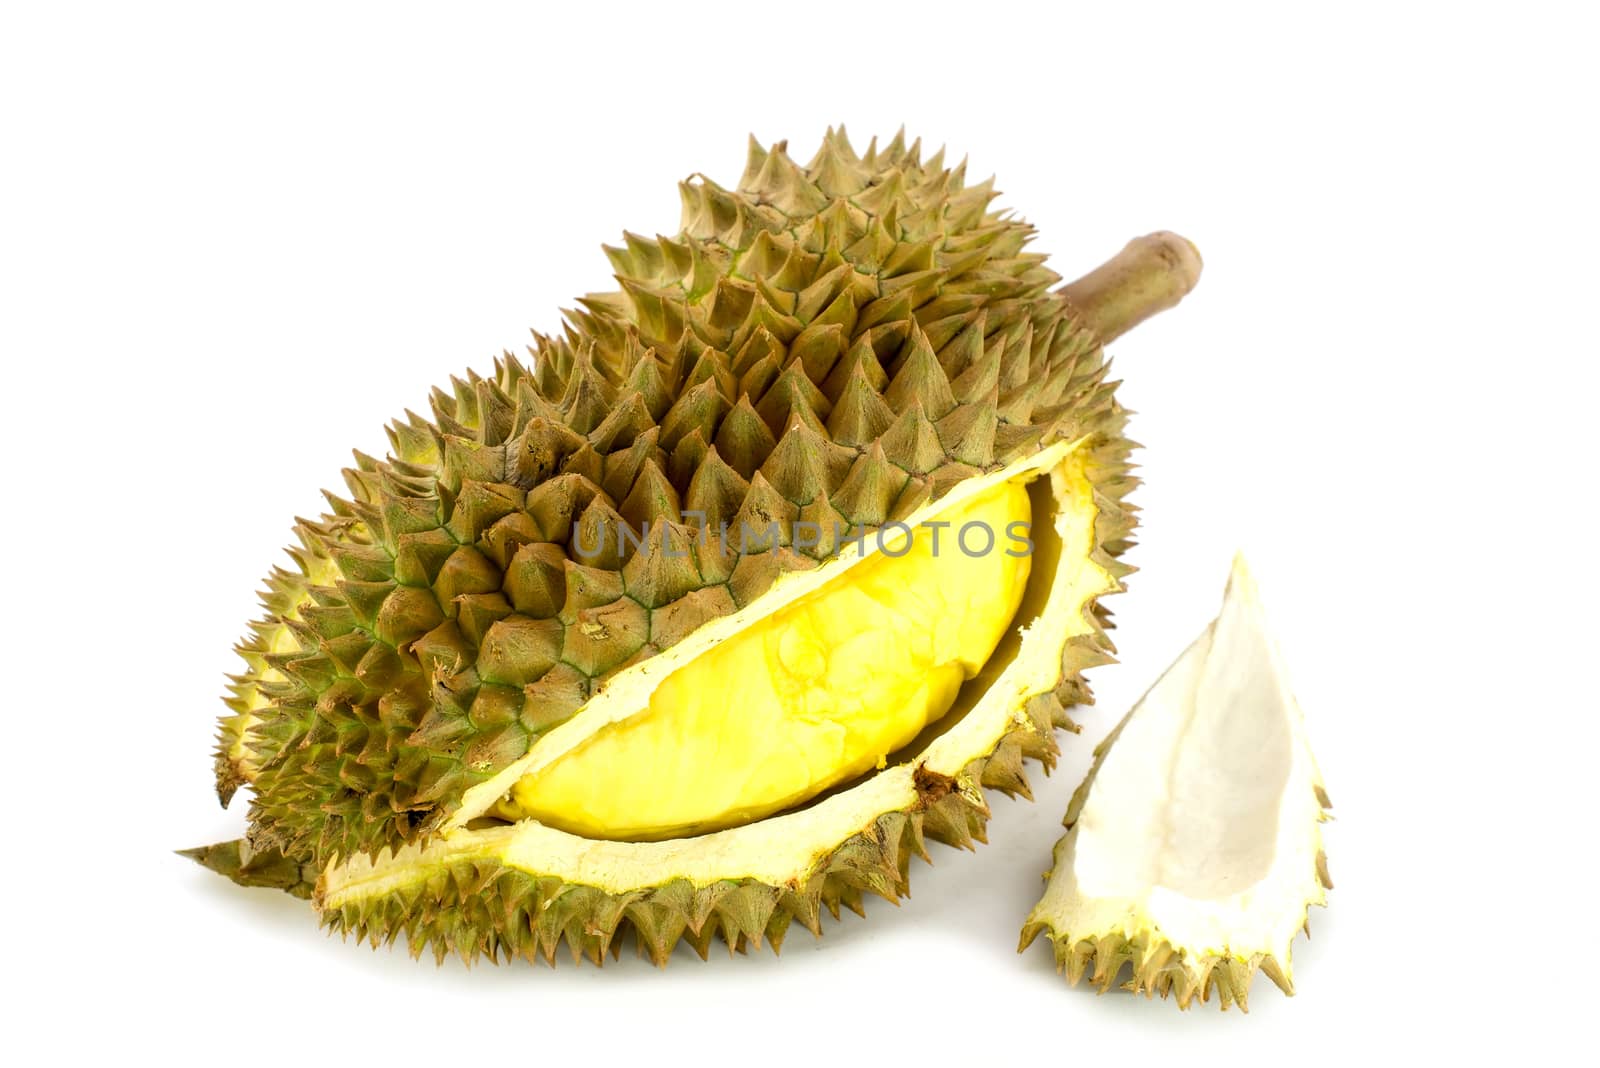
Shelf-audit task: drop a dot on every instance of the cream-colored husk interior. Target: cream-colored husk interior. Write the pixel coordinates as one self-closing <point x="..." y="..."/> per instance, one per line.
<point x="787" y="847"/>
<point x="1200" y="823"/>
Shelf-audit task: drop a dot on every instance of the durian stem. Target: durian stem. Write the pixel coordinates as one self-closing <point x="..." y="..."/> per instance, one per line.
<point x="1151" y="274"/>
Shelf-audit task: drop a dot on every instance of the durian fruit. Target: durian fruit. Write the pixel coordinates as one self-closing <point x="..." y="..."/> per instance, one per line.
<point x="1194" y="848"/>
<point x="651" y="633"/>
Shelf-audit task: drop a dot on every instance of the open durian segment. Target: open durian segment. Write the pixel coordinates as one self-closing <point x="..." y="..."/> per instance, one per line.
<point x="1195" y="847"/>
<point x="791" y="848"/>
<point x="818" y="692"/>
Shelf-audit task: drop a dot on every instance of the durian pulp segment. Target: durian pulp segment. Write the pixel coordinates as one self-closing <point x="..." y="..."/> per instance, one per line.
<point x="815" y="694"/>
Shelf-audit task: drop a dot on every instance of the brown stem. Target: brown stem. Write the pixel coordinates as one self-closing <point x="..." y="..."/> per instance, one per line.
<point x="1150" y="275"/>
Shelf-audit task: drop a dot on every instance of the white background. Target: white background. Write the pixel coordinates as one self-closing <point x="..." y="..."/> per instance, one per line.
<point x="236" y="242"/>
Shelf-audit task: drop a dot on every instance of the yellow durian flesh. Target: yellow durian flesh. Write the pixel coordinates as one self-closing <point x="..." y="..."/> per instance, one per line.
<point x="815" y="694"/>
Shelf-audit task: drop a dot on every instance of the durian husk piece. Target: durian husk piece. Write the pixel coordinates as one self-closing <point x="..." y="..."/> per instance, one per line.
<point x="859" y="340"/>
<point x="1194" y="849"/>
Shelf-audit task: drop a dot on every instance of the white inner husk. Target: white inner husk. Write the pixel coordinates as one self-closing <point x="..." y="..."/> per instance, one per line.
<point x="1200" y="823"/>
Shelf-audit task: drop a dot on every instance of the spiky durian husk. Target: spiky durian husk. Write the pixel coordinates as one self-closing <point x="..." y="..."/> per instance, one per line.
<point x="1095" y="936"/>
<point x="836" y="343"/>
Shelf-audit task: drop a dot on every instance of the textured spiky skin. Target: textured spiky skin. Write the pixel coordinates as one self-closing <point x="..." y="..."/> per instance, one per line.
<point x="835" y="343"/>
